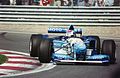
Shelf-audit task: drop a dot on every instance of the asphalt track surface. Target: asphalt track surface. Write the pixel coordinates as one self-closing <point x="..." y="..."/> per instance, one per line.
<point x="19" y="42"/>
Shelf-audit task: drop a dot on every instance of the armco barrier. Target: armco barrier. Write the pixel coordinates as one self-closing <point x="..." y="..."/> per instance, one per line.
<point x="101" y="21"/>
<point x="53" y="15"/>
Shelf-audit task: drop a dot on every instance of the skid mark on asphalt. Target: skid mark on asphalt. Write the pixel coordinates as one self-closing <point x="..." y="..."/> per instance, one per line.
<point x="21" y="63"/>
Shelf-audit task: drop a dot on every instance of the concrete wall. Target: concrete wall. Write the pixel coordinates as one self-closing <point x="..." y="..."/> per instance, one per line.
<point x="87" y="30"/>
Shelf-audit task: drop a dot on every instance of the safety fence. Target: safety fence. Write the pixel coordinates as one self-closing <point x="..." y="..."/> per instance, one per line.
<point x="54" y="15"/>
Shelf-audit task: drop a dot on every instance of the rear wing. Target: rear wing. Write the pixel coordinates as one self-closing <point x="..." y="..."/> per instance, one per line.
<point x="63" y="30"/>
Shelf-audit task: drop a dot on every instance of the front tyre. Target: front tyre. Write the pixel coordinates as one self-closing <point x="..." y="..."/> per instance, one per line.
<point x="109" y="47"/>
<point x="45" y="51"/>
<point x="34" y="44"/>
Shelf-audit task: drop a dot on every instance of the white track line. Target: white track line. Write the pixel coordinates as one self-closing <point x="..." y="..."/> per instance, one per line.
<point x="14" y="55"/>
<point x="4" y="70"/>
<point x="27" y="60"/>
<point x="19" y="65"/>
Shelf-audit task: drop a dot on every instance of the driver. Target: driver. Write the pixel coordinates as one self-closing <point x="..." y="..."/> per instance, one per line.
<point x="70" y="33"/>
<point x="72" y="39"/>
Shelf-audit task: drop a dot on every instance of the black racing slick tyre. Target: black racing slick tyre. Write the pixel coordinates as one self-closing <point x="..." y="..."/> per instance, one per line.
<point x="97" y="44"/>
<point x="45" y="51"/>
<point x="34" y="44"/>
<point x="109" y="47"/>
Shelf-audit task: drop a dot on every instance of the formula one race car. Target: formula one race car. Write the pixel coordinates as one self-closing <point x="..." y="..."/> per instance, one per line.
<point x="71" y="48"/>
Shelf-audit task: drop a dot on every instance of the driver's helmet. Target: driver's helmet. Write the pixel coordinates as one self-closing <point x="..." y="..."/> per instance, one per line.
<point x="70" y="33"/>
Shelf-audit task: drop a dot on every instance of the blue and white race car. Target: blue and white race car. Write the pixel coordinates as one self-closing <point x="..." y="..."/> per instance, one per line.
<point x="71" y="48"/>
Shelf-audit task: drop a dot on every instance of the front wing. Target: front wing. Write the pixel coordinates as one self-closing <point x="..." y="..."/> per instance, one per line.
<point x="89" y="59"/>
<point x="76" y="61"/>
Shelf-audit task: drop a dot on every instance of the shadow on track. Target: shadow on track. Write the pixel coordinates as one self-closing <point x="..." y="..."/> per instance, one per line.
<point x="116" y="74"/>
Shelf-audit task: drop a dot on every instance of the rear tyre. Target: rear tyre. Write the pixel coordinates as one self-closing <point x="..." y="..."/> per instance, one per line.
<point x="45" y="51"/>
<point x="97" y="43"/>
<point x="34" y="44"/>
<point x="109" y="47"/>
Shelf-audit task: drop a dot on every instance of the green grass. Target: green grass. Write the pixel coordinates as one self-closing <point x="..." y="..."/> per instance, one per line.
<point x="3" y="59"/>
